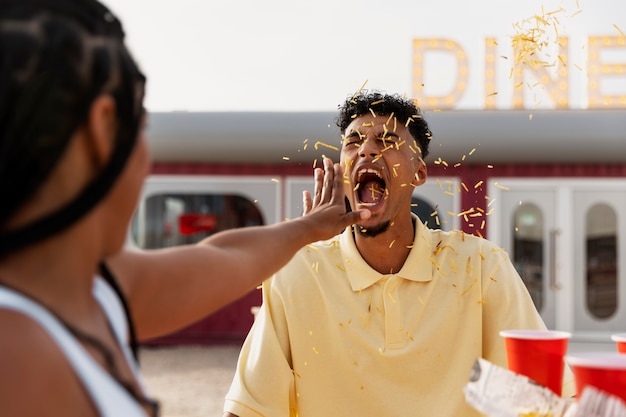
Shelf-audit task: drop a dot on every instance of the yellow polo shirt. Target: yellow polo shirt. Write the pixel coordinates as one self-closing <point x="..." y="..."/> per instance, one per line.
<point x="336" y="338"/>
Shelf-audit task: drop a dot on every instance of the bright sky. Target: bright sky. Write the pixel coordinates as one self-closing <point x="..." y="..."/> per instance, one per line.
<point x="225" y="55"/>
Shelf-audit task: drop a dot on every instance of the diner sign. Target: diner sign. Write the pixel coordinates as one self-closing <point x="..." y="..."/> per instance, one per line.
<point x="554" y="81"/>
<point x="284" y="55"/>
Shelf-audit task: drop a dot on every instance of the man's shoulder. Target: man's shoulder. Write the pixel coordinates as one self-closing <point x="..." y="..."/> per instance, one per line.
<point x="462" y="240"/>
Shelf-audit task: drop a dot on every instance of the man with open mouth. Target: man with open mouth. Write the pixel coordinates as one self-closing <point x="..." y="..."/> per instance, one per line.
<point x="387" y="318"/>
<point x="383" y="163"/>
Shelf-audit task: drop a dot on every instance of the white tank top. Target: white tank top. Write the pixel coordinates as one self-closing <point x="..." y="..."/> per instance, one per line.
<point x="109" y="397"/>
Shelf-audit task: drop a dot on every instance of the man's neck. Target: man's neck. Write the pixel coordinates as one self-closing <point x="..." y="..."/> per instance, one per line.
<point x="387" y="252"/>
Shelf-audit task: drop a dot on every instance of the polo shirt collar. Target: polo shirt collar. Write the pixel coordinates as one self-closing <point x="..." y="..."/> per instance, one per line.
<point x="417" y="267"/>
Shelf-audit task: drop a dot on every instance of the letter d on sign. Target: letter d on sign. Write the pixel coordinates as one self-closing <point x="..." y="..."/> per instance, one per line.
<point x="422" y="47"/>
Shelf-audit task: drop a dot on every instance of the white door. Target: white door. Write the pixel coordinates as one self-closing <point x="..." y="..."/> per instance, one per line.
<point x="599" y="254"/>
<point x="566" y="236"/>
<point x="527" y="229"/>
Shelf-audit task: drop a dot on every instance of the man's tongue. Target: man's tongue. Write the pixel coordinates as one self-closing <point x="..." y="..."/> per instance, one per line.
<point x="371" y="192"/>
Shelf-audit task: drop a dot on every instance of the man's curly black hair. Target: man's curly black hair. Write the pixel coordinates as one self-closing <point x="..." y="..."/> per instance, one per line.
<point x="382" y="103"/>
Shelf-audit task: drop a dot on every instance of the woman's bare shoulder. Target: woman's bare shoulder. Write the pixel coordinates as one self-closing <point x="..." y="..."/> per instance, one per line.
<point x="36" y="377"/>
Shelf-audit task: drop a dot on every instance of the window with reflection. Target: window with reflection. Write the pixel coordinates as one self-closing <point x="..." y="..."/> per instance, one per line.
<point x="172" y="219"/>
<point x="601" y="260"/>
<point x="527" y="251"/>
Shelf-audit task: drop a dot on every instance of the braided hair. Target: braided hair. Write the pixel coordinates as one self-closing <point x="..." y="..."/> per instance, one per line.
<point x="402" y="108"/>
<point x="56" y="58"/>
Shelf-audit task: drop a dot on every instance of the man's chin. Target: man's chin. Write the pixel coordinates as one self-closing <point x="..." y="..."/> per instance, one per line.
<point x="372" y="230"/>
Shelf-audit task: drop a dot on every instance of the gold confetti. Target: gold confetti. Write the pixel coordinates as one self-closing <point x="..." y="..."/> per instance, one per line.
<point x="358" y="92"/>
<point x="469" y="288"/>
<point x="318" y="144"/>
<point x="389" y="119"/>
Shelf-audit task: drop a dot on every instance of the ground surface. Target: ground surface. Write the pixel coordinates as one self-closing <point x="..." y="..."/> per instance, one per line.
<point x="189" y="381"/>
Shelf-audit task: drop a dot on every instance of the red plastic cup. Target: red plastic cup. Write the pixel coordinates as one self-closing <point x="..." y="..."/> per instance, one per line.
<point x="620" y="340"/>
<point x="537" y="354"/>
<point x="605" y="371"/>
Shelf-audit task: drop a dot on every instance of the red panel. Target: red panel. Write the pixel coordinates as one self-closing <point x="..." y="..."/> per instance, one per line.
<point x="189" y="224"/>
<point x="231" y="169"/>
<point x="227" y="325"/>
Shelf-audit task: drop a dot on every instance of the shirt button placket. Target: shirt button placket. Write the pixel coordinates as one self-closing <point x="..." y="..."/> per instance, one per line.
<point x="394" y="334"/>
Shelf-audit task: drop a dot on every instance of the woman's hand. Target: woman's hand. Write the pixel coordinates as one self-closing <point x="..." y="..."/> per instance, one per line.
<point x="327" y="206"/>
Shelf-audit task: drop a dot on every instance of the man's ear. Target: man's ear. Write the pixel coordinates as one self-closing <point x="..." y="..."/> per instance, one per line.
<point x="101" y="129"/>
<point x="421" y="172"/>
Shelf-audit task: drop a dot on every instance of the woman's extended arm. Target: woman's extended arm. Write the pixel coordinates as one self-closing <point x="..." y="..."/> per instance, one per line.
<point x="172" y="287"/>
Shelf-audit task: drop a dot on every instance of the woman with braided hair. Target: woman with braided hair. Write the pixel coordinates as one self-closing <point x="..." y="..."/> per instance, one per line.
<point x="72" y="161"/>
